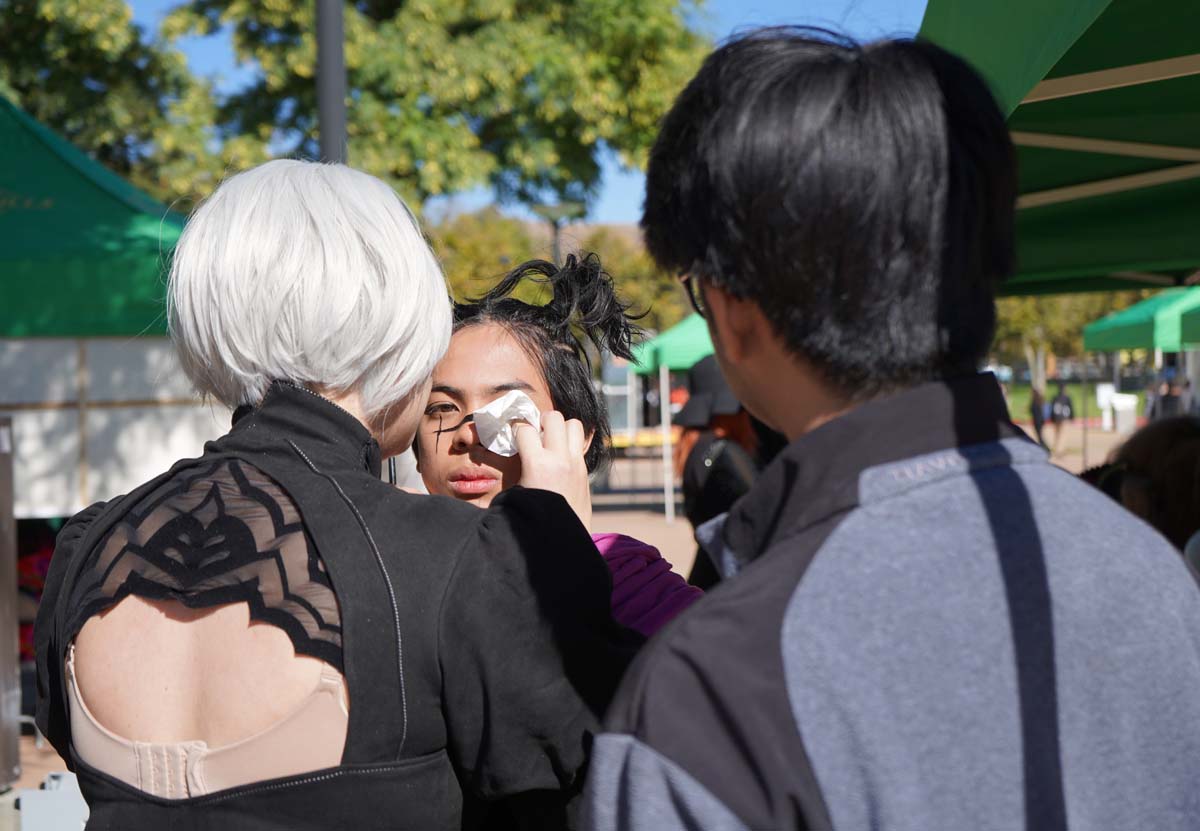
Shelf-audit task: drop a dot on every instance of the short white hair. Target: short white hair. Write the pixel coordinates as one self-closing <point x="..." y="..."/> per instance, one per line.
<point x="311" y="273"/>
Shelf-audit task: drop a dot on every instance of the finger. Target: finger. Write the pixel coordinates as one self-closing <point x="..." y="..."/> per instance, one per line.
<point x="575" y="441"/>
<point x="529" y="443"/>
<point x="554" y="432"/>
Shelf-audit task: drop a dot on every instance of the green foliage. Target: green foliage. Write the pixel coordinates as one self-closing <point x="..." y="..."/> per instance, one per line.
<point x="445" y="95"/>
<point x="477" y="249"/>
<point x="83" y="68"/>
<point x="1028" y="328"/>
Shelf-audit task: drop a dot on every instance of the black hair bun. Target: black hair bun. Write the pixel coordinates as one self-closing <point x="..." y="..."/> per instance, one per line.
<point x="583" y="300"/>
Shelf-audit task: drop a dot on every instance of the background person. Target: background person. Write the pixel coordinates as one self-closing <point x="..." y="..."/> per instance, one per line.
<point x="1062" y="411"/>
<point x="1169" y="401"/>
<point x="500" y="344"/>
<point x="916" y="629"/>
<point x="273" y="608"/>
<point x="1159" y="469"/>
<point x="719" y="454"/>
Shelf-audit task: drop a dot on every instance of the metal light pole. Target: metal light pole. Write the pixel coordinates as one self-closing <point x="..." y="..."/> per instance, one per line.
<point x="558" y="215"/>
<point x="331" y="81"/>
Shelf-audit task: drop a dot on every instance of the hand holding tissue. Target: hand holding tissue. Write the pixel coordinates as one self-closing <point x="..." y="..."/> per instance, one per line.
<point x="494" y="422"/>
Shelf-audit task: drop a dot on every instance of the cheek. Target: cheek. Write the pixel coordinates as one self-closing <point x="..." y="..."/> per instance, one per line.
<point x="509" y="467"/>
<point x="433" y="459"/>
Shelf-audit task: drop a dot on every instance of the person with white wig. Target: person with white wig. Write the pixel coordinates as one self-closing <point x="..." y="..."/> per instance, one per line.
<point x="269" y="635"/>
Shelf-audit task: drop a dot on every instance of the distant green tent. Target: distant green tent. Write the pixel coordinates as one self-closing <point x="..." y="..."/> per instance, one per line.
<point x="1189" y="328"/>
<point x="1155" y="323"/>
<point x="678" y="348"/>
<point x="81" y="251"/>
<point x="1101" y="96"/>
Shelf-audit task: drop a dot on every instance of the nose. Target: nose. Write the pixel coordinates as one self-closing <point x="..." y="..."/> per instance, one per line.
<point x="465" y="436"/>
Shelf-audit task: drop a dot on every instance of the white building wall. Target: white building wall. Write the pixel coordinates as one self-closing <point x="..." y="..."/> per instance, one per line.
<point x="140" y="416"/>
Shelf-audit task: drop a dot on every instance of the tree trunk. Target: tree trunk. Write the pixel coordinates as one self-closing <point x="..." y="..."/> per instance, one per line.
<point x="1035" y="356"/>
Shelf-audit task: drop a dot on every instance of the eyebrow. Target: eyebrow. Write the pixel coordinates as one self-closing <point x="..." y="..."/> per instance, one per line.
<point x="513" y="385"/>
<point x="507" y="387"/>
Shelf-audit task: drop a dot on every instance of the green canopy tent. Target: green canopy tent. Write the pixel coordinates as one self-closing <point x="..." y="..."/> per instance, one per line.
<point x="81" y="258"/>
<point x="81" y="250"/>
<point x="1102" y="100"/>
<point x="1155" y="323"/>
<point x="677" y="349"/>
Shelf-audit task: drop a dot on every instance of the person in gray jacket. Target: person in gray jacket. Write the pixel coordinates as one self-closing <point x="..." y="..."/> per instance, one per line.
<point x="925" y="625"/>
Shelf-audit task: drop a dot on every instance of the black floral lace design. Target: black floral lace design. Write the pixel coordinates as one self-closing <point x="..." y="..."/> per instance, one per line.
<point x="217" y="534"/>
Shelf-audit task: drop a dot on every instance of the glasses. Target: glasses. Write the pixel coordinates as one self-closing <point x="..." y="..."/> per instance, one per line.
<point x="695" y="294"/>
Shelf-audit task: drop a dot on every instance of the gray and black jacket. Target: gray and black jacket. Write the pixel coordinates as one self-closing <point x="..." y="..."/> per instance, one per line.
<point x="932" y="628"/>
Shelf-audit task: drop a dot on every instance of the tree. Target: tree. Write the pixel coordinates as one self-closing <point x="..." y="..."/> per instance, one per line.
<point x="476" y="249"/>
<point x="1032" y="327"/>
<point x="524" y="95"/>
<point x="83" y="68"/>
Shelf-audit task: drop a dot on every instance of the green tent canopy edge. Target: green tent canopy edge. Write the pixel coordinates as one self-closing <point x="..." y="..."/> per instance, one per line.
<point x="1189" y="328"/>
<point x="1155" y="323"/>
<point x="678" y="348"/>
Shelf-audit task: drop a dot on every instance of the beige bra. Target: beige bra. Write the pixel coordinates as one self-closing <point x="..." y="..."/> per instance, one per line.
<point x="310" y="738"/>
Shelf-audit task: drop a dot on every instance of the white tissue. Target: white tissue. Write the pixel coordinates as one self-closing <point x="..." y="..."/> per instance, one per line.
<point x="494" y="421"/>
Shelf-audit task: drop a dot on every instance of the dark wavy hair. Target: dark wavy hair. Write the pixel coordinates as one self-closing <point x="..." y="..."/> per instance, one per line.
<point x="862" y="195"/>
<point x="583" y="304"/>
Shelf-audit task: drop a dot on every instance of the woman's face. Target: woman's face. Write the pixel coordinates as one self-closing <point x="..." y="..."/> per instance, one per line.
<point x="483" y="363"/>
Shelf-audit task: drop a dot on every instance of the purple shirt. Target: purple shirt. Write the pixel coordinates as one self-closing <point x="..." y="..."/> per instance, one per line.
<point x="646" y="593"/>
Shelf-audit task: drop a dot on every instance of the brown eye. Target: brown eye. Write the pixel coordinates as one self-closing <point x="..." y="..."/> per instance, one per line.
<point x="440" y="408"/>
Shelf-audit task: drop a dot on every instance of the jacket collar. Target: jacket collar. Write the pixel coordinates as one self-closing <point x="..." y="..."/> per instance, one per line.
<point x="316" y="423"/>
<point x="817" y="475"/>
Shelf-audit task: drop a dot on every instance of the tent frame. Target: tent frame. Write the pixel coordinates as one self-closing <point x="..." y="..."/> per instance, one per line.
<point x="1114" y="78"/>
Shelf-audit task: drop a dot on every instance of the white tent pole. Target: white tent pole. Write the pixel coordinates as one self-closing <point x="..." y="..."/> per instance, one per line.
<point x="82" y="382"/>
<point x="1086" y="393"/>
<point x="664" y="404"/>
<point x="631" y="404"/>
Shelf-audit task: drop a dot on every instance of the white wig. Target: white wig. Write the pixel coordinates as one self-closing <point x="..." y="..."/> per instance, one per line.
<point x="310" y="273"/>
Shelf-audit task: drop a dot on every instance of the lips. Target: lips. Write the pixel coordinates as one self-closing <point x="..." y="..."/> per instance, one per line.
<point x="473" y="482"/>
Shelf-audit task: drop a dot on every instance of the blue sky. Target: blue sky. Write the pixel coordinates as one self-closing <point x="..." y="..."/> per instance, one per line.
<point x="621" y="192"/>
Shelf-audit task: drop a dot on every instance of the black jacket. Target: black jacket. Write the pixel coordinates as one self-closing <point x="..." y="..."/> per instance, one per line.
<point x="479" y="649"/>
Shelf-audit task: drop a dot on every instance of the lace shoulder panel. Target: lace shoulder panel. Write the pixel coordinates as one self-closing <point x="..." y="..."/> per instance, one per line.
<point x="216" y="534"/>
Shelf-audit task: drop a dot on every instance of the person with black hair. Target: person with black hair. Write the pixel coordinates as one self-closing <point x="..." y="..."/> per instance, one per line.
<point x="720" y="451"/>
<point x="915" y="629"/>
<point x="1157" y="476"/>
<point x="501" y="344"/>
<point x="1062" y="410"/>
